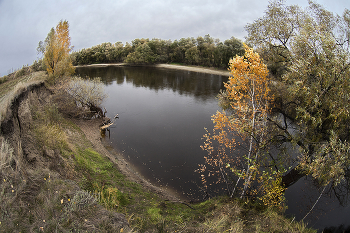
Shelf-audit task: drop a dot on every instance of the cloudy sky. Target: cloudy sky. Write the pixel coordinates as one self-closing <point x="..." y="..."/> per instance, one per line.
<point x="24" y="23"/>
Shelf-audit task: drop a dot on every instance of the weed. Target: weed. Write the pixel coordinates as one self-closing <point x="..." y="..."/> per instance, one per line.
<point x="82" y="199"/>
<point x="154" y="214"/>
<point x="110" y="197"/>
<point x="3" y="79"/>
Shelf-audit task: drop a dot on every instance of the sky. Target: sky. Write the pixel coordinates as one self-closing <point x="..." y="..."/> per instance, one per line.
<point x="24" y="23"/>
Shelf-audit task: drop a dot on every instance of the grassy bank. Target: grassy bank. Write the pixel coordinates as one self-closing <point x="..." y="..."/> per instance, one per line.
<point x="70" y="187"/>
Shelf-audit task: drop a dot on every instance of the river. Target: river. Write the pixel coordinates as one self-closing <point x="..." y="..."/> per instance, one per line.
<point x="162" y="114"/>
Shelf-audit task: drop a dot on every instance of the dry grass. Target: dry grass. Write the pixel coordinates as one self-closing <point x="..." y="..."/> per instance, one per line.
<point x="13" y="86"/>
<point x="49" y="128"/>
<point x="45" y="203"/>
<point x="226" y="218"/>
<point x="6" y="154"/>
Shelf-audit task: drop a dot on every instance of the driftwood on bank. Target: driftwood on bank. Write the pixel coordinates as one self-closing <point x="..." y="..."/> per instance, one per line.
<point x="106" y="126"/>
<point x="107" y="123"/>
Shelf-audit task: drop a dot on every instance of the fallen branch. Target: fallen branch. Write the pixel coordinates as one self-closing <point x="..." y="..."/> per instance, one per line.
<point x="106" y="126"/>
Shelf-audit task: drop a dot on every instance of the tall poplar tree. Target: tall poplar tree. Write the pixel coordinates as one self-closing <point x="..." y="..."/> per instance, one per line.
<point x="56" y="49"/>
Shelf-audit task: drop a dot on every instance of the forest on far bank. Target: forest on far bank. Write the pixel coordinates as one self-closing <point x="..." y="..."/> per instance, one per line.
<point x="203" y="51"/>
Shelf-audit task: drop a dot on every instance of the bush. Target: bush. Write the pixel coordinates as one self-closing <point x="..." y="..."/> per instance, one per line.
<point x="37" y="65"/>
<point x="81" y="200"/>
<point x="3" y="79"/>
<point x="25" y="70"/>
<point x="87" y="93"/>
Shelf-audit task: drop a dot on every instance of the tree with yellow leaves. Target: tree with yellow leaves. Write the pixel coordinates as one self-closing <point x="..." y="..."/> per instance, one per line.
<point x="56" y="49"/>
<point x="238" y="144"/>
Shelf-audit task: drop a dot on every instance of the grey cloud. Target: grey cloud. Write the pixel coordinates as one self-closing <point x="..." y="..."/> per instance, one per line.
<point x="24" y="23"/>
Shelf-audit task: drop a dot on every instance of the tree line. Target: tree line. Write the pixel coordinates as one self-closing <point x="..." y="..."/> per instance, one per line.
<point x="203" y="51"/>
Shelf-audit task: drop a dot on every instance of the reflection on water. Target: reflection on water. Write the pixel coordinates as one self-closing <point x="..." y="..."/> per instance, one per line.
<point x="162" y="115"/>
<point x="203" y="86"/>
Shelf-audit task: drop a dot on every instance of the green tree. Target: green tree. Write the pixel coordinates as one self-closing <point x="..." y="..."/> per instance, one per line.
<point x="179" y="48"/>
<point x="56" y="49"/>
<point x="161" y="49"/>
<point x="116" y="53"/>
<point x="142" y="55"/>
<point x="206" y="48"/>
<point x="311" y="105"/>
<point x="232" y="47"/>
<point x="192" y="56"/>
<point x="272" y="34"/>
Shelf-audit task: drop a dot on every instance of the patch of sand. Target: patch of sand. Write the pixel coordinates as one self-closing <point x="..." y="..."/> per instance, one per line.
<point x="198" y="69"/>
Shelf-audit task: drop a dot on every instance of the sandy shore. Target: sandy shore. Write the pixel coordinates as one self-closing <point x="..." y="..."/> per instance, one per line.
<point x="170" y="66"/>
<point x="92" y="131"/>
<point x="196" y="69"/>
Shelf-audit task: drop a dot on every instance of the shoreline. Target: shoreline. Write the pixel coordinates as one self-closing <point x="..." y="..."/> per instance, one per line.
<point x="198" y="69"/>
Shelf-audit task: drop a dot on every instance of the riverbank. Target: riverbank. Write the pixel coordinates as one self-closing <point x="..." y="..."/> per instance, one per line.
<point x="198" y="69"/>
<point x="57" y="175"/>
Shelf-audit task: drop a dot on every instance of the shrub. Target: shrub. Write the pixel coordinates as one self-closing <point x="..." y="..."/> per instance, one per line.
<point x="25" y="70"/>
<point x="3" y="79"/>
<point x="37" y="65"/>
<point x="81" y="200"/>
<point x="87" y="93"/>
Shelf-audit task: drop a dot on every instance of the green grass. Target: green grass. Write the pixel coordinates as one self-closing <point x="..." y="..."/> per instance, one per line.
<point x="101" y="178"/>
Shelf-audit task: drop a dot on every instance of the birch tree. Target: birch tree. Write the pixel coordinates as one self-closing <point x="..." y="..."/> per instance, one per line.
<point x="242" y="126"/>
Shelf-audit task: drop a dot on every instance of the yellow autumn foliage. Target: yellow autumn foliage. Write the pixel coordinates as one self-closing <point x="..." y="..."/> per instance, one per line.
<point x="56" y="56"/>
<point x="237" y="146"/>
